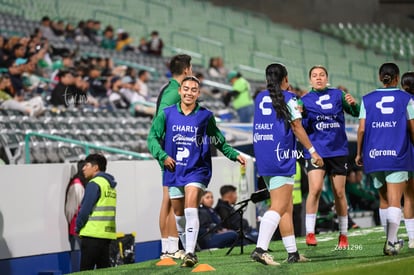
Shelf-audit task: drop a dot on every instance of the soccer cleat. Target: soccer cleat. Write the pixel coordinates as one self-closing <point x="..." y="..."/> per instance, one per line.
<point x="261" y="256"/>
<point x="177" y="255"/>
<point x="295" y="257"/>
<point x="189" y="260"/>
<point x="343" y="242"/>
<point x="392" y="249"/>
<point x="411" y="243"/>
<point x="311" y="239"/>
<point x="164" y="255"/>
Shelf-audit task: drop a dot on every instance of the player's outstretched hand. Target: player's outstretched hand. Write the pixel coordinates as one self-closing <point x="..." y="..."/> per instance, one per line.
<point x="169" y="164"/>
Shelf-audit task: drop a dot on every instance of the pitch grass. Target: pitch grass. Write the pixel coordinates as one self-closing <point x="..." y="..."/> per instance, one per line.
<point x="364" y="256"/>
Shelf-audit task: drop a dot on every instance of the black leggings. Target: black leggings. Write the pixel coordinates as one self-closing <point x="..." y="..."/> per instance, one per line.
<point x="94" y="251"/>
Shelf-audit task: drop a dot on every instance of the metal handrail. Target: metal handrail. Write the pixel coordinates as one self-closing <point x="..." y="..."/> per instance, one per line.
<point x="86" y="145"/>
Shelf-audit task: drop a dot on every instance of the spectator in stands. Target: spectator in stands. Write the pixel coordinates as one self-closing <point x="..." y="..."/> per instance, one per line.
<point x="80" y="35"/>
<point x="70" y="34"/>
<point x="123" y="41"/>
<point x="407" y="83"/>
<point x="32" y="107"/>
<point x="155" y="44"/>
<point x="18" y="51"/>
<point x="241" y="96"/>
<point x="46" y="28"/>
<point x="212" y="234"/>
<point x="3" y="56"/>
<point x="115" y="96"/>
<point x="74" y="195"/>
<point x="180" y="67"/>
<point x="58" y="29"/>
<point x="187" y="174"/>
<point x="205" y="91"/>
<point x="231" y="220"/>
<point x="143" y="46"/>
<point x="108" y="41"/>
<point x="143" y="77"/>
<point x="96" y="84"/>
<point x="138" y="103"/>
<point x="216" y="67"/>
<point x="95" y="223"/>
<point x="65" y="90"/>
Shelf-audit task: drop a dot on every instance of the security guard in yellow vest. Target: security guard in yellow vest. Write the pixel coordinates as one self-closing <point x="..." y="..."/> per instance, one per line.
<point x="95" y="223"/>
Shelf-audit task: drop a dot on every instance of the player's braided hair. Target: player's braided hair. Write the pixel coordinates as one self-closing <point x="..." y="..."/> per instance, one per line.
<point x="275" y="73"/>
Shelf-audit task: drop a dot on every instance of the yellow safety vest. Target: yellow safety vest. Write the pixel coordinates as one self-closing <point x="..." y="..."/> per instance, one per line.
<point x="297" y="192"/>
<point x="101" y="222"/>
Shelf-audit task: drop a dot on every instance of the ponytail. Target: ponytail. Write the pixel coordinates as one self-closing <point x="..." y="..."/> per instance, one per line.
<point x="275" y="73"/>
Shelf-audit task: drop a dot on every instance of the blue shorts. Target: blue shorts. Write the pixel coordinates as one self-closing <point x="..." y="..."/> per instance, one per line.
<point x="274" y="182"/>
<point x="379" y="178"/>
<point x="177" y="192"/>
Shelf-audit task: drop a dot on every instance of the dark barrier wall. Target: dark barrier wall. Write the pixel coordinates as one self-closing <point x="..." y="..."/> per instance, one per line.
<point x="311" y="13"/>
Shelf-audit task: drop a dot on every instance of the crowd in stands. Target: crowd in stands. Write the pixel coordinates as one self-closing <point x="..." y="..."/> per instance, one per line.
<point x="43" y="75"/>
<point x="35" y="74"/>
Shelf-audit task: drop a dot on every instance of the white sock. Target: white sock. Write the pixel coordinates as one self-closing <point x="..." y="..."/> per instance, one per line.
<point x="383" y="218"/>
<point x="180" y="222"/>
<point x="172" y="244"/>
<point x="393" y="218"/>
<point x="343" y="225"/>
<point x="310" y="223"/>
<point x="290" y="243"/>
<point x="164" y="245"/>
<point x="191" y="229"/>
<point x="409" y="226"/>
<point x="268" y="225"/>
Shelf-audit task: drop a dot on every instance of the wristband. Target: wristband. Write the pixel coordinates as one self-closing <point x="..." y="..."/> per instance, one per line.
<point x="312" y="150"/>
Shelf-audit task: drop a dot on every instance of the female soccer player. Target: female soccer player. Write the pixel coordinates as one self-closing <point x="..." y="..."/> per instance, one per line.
<point x="325" y="124"/>
<point x="276" y="125"/>
<point x="180" y="137"/>
<point x="407" y="83"/>
<point x="384" y="147"/>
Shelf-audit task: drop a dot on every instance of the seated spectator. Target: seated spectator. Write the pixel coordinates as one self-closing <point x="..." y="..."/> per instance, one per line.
<point x="70" y="34"/>
<point x="58" y="29"/>
<point x="143" y="46"/>
<point x="216" y="67"/>
<point x="123" y="42"/>
<point x="3" y="56"/>
<point x="138" y="104"/>
<point x="96" y="83"/>
<point x="32" y="107"/>
<point x="46" y="28"/>
<point x="155" y="44"/>
<point x="142" y="80"/>
<point x="231" y="220"/>
<point x="206" y="92"/>
<point x="108" y="41"/>
<point x="70" y="91"/>
<point x="80" y="35"/>
<point x="211" y="233"/>
<point x="115" y="96"/>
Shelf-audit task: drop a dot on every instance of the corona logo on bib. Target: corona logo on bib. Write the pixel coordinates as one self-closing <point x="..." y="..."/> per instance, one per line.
<point x="385" y="110"/>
